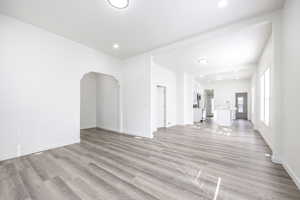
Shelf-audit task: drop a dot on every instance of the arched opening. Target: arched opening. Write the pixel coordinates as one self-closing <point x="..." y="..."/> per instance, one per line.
<point x="99" y="102"/>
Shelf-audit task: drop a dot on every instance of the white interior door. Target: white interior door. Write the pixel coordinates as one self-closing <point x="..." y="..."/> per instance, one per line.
<point x="161" y="107"/>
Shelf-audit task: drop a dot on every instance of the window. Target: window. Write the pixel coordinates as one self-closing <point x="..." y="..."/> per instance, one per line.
<point x="265" y="97"/>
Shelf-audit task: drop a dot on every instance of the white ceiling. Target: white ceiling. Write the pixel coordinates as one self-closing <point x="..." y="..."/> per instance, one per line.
<point x="241" y="74"/>
<point x="234" y="55"/>
<point x="143" y="26"/>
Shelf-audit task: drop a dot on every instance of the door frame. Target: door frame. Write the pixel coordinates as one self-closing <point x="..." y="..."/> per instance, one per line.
<point x="243" y="115"/>
<point x="165" y="104"/>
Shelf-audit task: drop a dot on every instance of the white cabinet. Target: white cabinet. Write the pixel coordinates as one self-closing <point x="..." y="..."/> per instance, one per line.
<point x="223" y="117"/>
<point x="197" y="114"/>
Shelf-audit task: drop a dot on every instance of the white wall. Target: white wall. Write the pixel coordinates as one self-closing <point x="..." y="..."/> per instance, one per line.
<point x="281" y="54"/>
<point x="266" y="60"/>
<point x="88" y="103"/>
<point x="184" y="94"/>
<point x="180" y="90"/>
<point x="160" y="107"/>
<point x="225" y="91"/>
<point x="291" y="87"/>
<point x="180" y="97"/>
<point x="188" y="98"/>
<point x="163" y="77"/>
<point x="137" y="96"/>
<point x="40" y="87"/>
<point x="108" y="109"/>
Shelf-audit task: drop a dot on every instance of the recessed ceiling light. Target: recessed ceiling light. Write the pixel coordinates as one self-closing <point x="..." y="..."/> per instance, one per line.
<point x="116" y="46"/>
<point x="201" y="76"/>
<point x="222" y="3"/>
<point x="119" y="4"/>
<point x="203" y="61"/>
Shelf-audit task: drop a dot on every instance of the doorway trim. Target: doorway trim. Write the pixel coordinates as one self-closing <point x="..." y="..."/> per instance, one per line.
<point x="244" y="114"/>
<point x="165" y="105"/>
<point x="120" y="113"/>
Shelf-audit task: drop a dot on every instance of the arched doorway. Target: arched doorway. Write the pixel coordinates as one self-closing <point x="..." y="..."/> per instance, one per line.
<point x="99" y="102"/>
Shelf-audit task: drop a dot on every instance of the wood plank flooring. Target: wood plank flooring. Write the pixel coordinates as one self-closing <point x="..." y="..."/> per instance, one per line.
<point x="203" y="161"/>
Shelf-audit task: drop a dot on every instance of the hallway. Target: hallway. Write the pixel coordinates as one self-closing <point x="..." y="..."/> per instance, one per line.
<point x="192" y="162"/>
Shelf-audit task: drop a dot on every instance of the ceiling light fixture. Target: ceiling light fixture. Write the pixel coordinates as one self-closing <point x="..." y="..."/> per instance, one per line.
<point x="203" y="61"/>
<point x="119" y="4"/>
<point x="116" y="46"/>
<point x="222" y="3"/>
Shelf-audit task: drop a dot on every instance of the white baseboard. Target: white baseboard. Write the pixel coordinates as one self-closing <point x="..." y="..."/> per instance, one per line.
<point x="276" y="160"/>
<point x="266" y="139"/>
<point x="137" y="135"/>
<point x="108" y="129"/>
<point x="87" y="127"/>
<point x="124" y="133"/>
<point x="41" y="149"/>
<point x="292" y="174"/>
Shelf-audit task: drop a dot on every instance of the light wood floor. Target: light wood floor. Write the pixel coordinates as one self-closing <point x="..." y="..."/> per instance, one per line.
<point x="181" y="163"/>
